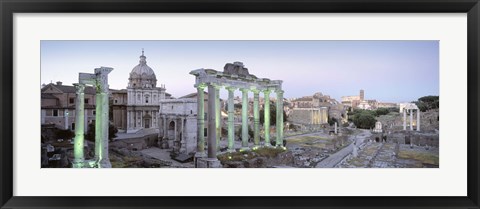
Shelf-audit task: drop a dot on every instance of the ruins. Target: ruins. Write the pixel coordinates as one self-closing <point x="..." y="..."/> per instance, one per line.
<point x="235" y="76"/>
<point x="410" y="108"/>
<point x="99" y="80"/>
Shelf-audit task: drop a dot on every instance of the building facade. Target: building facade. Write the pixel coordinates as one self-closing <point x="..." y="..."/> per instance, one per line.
<point x="58" y="105"/>
<point x="143" y="98"/>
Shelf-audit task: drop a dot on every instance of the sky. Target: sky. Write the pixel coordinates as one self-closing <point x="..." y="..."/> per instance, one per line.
<point x="388" y="71"/>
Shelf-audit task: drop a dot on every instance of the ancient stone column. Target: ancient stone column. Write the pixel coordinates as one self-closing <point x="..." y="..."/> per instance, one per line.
<point x="65" y="115"/>
<point x="78" y="143"/>
<point x="266" y="110"/>
<point x="175" y="131"/>
<point x="279" y="118"/>
<point x="218" y="115"/>
<point x="200" y="119"/>
<point x="244" y="118"/>
<point x="411" y="119"/>
<point x="256" y="118"/>
<point x="101" y="129"/>
<point x="85" y="123"/>
<point x="418" y="119"/>
<point x="336" y="131"/>
<point x="165" y="133"/>
<point x="404" y="119"/>
<point x="231" y="117"/>
<point x="128" y="120"/>
<point x="212" y="141"/>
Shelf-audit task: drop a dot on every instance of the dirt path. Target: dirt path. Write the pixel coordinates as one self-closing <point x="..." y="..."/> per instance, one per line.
<point x="337" y="157"/>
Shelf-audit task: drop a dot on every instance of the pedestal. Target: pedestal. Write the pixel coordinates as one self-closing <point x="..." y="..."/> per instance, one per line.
<point x="208" y="163"/>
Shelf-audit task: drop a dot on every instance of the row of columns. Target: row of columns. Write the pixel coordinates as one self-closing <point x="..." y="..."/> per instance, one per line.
<point x="214" y="122"/>
<point x="411" y="119"/>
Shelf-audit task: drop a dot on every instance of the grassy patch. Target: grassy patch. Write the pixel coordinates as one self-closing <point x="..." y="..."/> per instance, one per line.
<point x="420" y="156"/>
<point x="307" y="139"/>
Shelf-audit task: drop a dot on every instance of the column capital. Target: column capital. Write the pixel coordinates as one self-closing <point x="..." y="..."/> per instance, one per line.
<point x="279" y="91"/>
<point x="201" y="86"/>
<point x="255" y="91"/>
<point x="244" y="89"/>
<point x="266" y="91"/>
<point x="79" y="87"/>
<point x="215" y="85"/>
<point x="231" y="88"/>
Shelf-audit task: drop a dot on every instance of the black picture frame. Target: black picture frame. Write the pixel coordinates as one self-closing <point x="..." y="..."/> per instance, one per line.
<point x="9" y="7"/>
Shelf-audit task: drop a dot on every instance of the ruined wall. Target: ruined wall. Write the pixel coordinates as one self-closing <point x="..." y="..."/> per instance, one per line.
<point x="301" y="116"/>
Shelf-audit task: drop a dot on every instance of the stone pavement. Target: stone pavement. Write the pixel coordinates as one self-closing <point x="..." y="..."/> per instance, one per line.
<point x="163" y="154"/>
<point x="334" y="159"/>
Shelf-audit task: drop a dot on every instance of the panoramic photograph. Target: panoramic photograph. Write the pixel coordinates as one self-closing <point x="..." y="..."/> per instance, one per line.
<point x="239" y="104"/>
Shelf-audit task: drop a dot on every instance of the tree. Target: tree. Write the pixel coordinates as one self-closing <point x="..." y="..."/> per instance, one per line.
<point x="273" y="115"/>
<point x="364" y="119"/>
<point x="332" y="121"/>
<point x="427" y="103"/>
<point x="381" y="111"/>
<point x="112" y="132"/>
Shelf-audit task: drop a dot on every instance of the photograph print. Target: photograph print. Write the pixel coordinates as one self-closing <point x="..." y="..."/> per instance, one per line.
<point x="240" y="104"/>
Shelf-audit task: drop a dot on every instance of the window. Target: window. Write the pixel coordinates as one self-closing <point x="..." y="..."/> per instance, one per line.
<point x="55" y="112"/>
<point x="116" y="101"/>
<point x="71" y="100"/>
<point x="86" y="101"/>
<point x="146" y="100"/>
<point x="191" y="111"/>
<point x="93" y="112"/>
<point x="172" y="107"/>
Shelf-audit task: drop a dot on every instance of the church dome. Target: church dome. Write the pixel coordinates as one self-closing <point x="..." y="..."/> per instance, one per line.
<point x="142" y="76"/>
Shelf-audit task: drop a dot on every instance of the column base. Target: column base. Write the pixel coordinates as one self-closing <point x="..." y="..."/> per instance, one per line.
<point x="78" y="163"/>
<point x="104" y="163"/>
<point x="208" y="163"/>
<point x="197" y="157"/>
<point x="90" y="164"/>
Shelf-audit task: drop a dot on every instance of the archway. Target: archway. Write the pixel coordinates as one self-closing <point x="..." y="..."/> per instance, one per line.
<point x="171" y="130"/>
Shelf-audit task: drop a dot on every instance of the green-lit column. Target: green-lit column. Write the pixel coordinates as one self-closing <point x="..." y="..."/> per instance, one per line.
<point x="218" y="115"/>
<point x="279" y="125"/>
<point x="256" y="118"/>
<point x="98" y="125"/>
<point x="244" y="118"/>
<point x="78" y="143"/>
<point x="266" y="117"/>
<point x="231" y="128"/>
<point x="101" y="130"/>
<point x="200" y="118"/>
<point x="212" y="141"/>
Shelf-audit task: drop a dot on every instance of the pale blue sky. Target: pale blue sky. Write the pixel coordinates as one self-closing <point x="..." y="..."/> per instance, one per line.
<point x="389" y="71"/>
